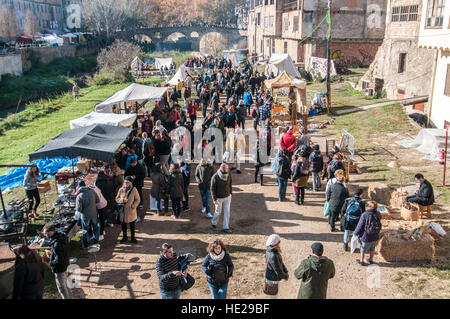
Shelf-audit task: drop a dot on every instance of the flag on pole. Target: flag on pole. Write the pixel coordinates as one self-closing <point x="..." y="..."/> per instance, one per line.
<point x="329" y="24"/>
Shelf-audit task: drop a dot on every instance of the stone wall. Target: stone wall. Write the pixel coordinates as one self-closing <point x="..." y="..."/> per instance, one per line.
<point x="46" y="55"/>
<point x="11" y="64"/>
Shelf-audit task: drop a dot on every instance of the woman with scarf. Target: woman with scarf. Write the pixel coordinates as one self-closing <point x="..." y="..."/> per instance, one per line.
<point x="128" y="197"/>
<point x="218" y="268"/>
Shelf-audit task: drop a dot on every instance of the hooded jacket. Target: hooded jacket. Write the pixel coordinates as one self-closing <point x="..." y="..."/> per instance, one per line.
<point x="175" y="185"/>
<point x="288" y="141"/>
<point x="219" y="187"/>
<point x="86" y="204"/>
<point x="316" y="160"/>
<point x="314" y="273"/>
<point x="59" y="257"/>
<point x="203" y="175"/>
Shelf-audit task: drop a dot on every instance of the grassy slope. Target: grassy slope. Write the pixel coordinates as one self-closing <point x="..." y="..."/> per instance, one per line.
<point x="16" y="144"/>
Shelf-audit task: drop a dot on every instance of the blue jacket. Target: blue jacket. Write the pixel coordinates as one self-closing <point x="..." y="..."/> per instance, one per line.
<point x="129" y="159"/>
<point x="248" y="98"/>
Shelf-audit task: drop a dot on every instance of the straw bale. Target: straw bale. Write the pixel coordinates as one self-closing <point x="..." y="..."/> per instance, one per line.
<point x="381" y="193"/>
<point x="394" y="247"/>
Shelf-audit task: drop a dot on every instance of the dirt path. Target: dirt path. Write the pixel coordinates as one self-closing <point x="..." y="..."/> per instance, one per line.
<point x="127" y="271"/>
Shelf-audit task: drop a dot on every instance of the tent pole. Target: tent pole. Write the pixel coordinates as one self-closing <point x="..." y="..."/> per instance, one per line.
<point x="5" y="215"/>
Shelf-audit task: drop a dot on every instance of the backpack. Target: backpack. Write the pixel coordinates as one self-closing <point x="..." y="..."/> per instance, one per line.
<point x="219" y="274"/>
<point x="354" y="211"/>
<point x="373" y="224"/>
<point x="304" y="151"/>
<point x="281" y="169"/>
<point x="254" y="113"/>
<point x="332" y="167"/>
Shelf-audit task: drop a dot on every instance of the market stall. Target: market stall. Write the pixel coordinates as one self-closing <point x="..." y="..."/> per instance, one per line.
<point x="134" y="95"/>
<point x="181" y="75"/>
<point x="96" y="142"/>
<point x="297" y="98"/>
<point x="121" y="120"/>
<point x="279" y="63"/>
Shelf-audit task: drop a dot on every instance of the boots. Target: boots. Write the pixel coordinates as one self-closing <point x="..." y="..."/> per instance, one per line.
<point x="345" y="246"/>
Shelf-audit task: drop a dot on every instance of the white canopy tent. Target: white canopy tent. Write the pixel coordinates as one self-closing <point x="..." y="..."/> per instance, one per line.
<point x="180" y="75"/>
<point x="159" y="62"/>
<point x="52" y="39"/>
<point x="428" y="141"/>
<point x="133" y="93"/>
<point x="281" y="62"/>
<point x="137" y="64"/>
<point x="121" y="120"/>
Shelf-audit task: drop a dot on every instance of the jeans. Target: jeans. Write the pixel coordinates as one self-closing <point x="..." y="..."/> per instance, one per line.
<point x="282" y="185"/>
<point x="248" y="109"/>
<point x="242" y="124"/>
<point x="258" y="169"/>
<point x="164" y="159"/>
<point x="300" y="194"/>
<point x="132" y="229"/>
<point x="86" y="226"/>
<point x="225" y="203"/>
<point x="206" y="197"/>
<point x="170" y="294"/>
<point x="412" y="199"/>
<point x="61" y="284"/>
<point x="176" y="206"/>
<point x="347" y="236"/>
<point x="255" y="124"/>
<point x="332" y="218"/>
<point x="186" y="198"/>
<point x="33" y="194"/>
<point x="316" y="180"/>
<point x="102" y="219"/>
<point x="218" y="292"/>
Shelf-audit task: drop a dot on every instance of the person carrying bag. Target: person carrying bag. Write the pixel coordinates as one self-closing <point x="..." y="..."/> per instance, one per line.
<point x="275" y="268"/>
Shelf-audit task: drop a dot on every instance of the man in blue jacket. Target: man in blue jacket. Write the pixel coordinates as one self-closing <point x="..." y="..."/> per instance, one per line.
<point x="248" y="101"/>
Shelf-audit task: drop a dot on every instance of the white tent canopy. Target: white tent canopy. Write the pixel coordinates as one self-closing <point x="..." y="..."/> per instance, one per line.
<point x="159" y="62"/>
<point x="428" y="141"/>
<point x="180" y="75"/>
<point x="122" y="120"/>
<point x="52" y="39"/>
<point x="281" y="62"/>
<point x="134" y="93"/>
<point x="137" y="63"/>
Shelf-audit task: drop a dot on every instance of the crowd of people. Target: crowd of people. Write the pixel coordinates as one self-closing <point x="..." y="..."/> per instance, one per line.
<point x="116" y="197"/>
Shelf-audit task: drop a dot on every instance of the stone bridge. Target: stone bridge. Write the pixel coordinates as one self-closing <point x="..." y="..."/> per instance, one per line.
<point x="187" y="37"/>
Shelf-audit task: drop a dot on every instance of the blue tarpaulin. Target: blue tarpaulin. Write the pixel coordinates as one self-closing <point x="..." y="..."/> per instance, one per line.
<point x="14" y="177"/>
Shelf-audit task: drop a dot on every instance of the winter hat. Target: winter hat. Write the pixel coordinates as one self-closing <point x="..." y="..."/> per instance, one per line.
<point x="273" y="240"/>
<point x="317" y="248"/>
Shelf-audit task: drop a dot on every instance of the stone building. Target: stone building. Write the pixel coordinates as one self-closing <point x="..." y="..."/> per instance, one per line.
<point x="400" y="68"/>
<point x="294" y="27"/>
<point x="434" y="38"/>
<point x="49" y="13"/>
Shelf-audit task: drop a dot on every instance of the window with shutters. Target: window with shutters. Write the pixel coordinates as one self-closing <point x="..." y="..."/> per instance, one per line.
<point x="404" y="13"/>
<point x="296" y="22"/>
<point x="401" y="62"/>
<point x="413" y="13"/>
<point x="395" y="14"/>
<point x="435" y="13"/>
<point x="447" y="82"/>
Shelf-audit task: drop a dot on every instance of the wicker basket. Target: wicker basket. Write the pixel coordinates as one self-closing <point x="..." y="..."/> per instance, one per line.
<point x="409" y="212"/>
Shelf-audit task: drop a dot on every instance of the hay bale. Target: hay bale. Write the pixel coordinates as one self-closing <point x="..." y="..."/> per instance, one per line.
<point x="409" y="212"/>
<point x="397" y="199"/>
<point x="392" y="247"/>
<point x="381" y="193"/>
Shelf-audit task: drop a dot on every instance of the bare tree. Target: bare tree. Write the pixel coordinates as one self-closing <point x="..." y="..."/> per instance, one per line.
<point x="116" y="59"/>
<point x="213" y="43"/>
<point x="31" y="24"/>
<point x="9" y="26"/>
<point x="105" y="17"/>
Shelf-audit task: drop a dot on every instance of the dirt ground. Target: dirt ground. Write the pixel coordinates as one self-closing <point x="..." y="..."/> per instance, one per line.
<point x="128" y="271"/>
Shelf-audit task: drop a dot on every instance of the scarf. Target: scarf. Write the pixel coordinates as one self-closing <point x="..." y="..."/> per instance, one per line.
<point x="222" y="175"/>
<point x="217" y="257"/>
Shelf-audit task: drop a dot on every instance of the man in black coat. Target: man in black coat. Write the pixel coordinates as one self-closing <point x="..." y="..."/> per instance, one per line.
<point x="336" y="195"/>
<point x="58" y="258"/>
<point x="106" y="185"/>
<point x="137" y="171"/>
<point x="425" y="195"/>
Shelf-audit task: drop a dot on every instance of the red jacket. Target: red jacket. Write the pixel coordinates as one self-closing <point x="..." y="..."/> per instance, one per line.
<point x="288" y="141"/>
